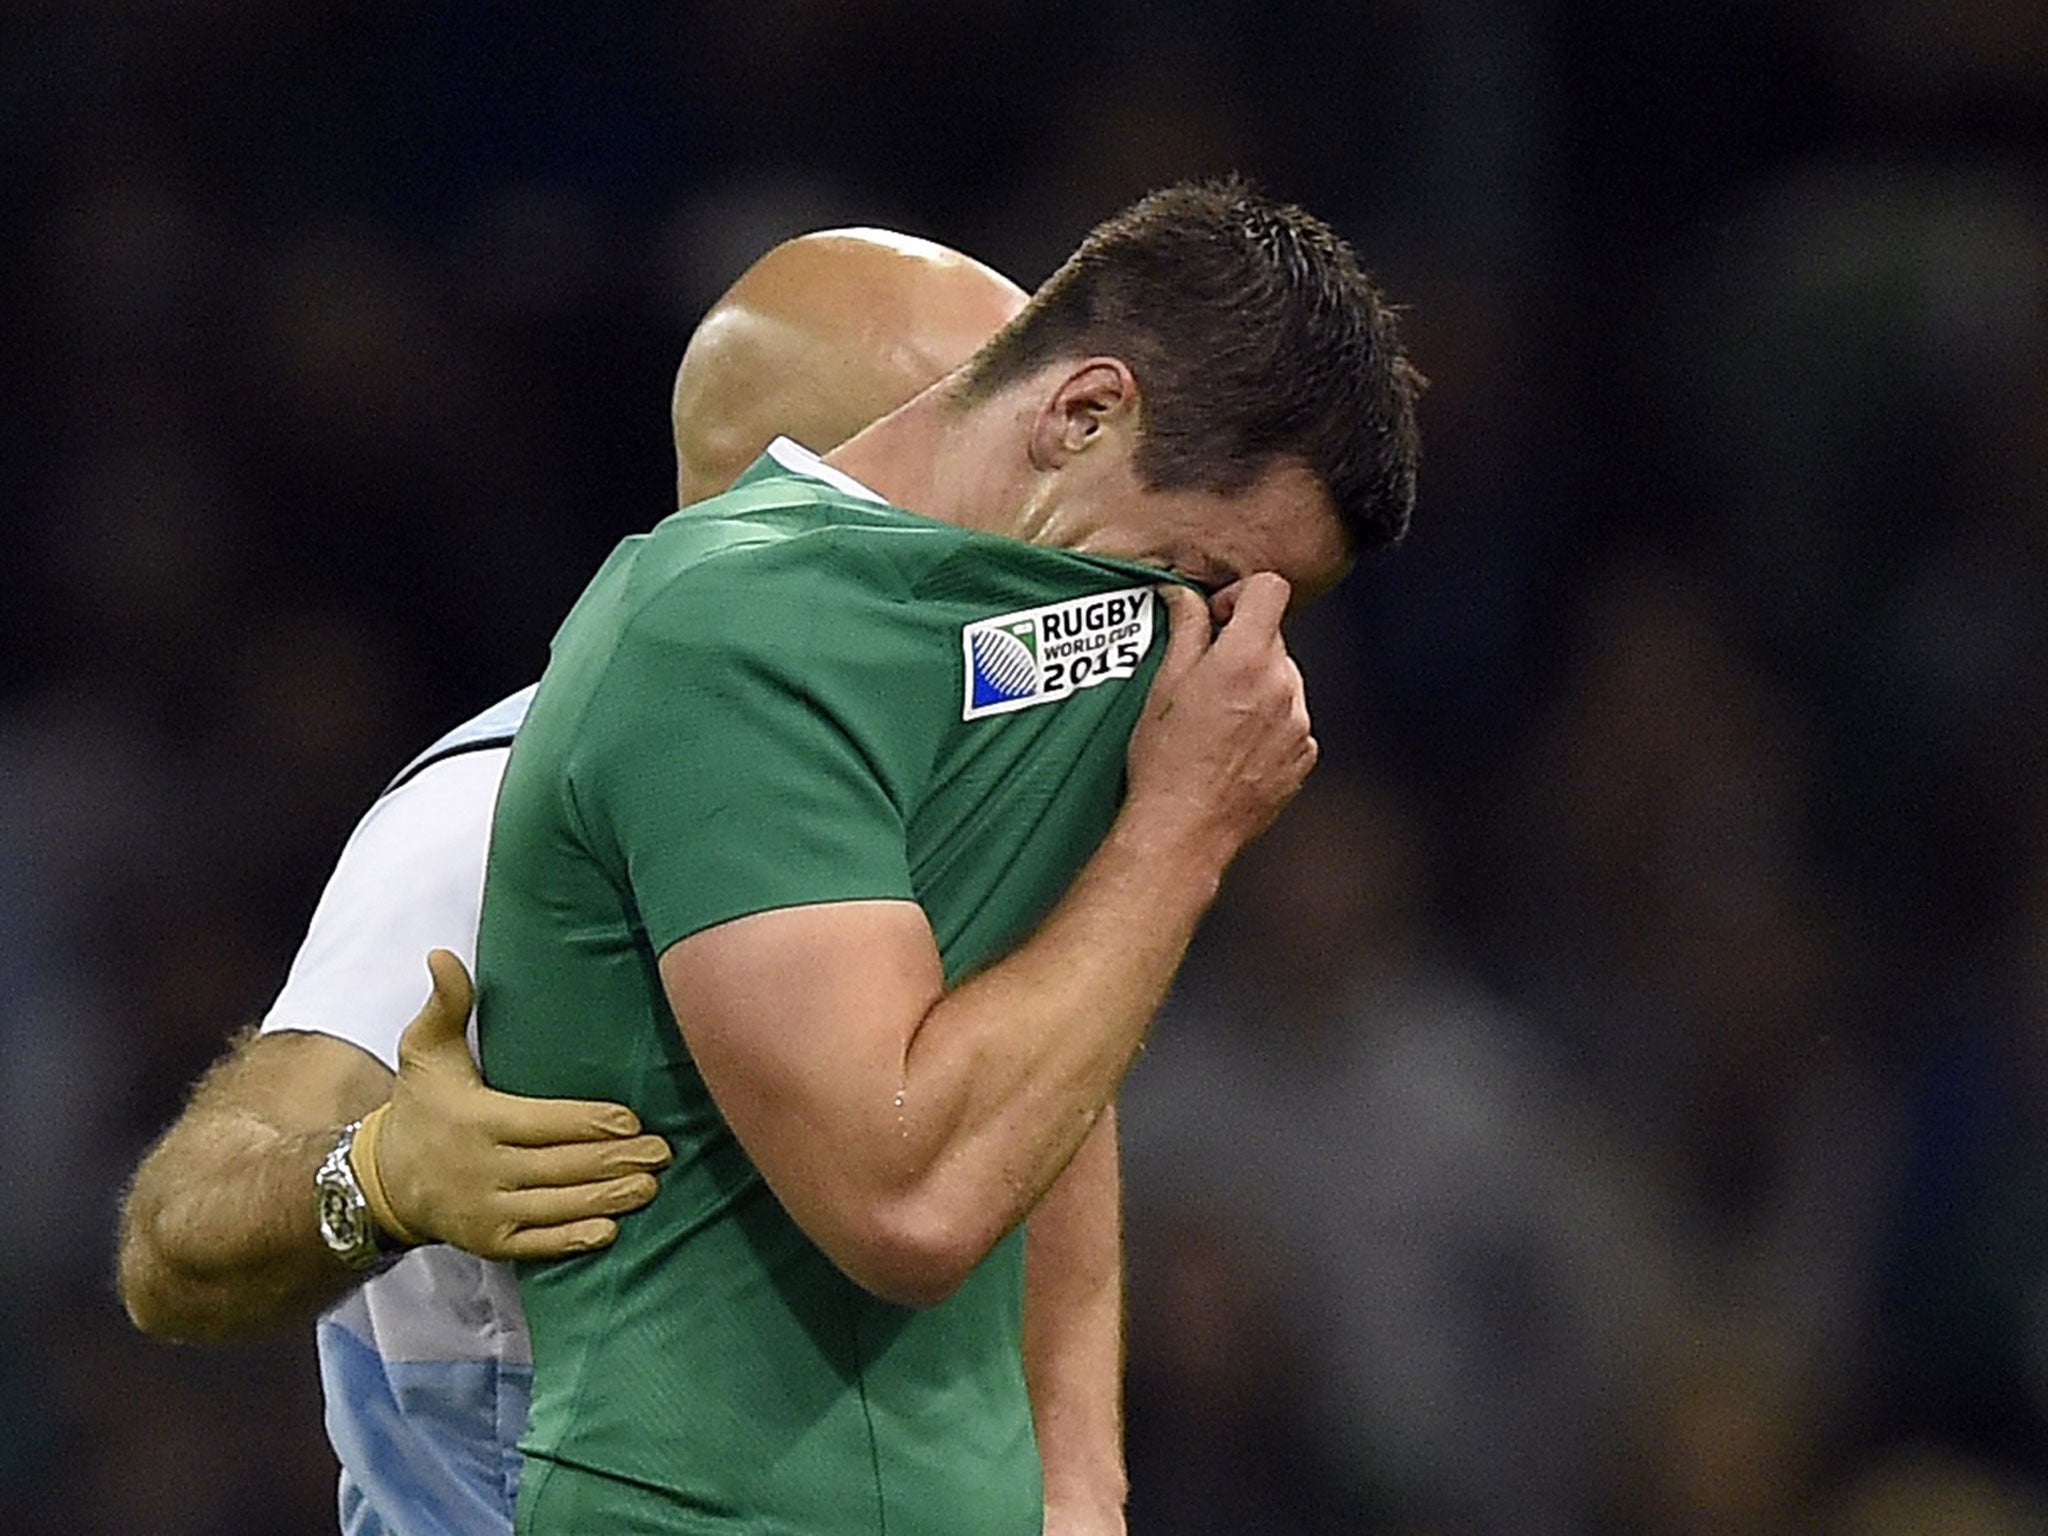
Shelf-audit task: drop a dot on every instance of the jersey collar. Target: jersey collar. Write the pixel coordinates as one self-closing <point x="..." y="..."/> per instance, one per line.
<point x="796" y="458"/>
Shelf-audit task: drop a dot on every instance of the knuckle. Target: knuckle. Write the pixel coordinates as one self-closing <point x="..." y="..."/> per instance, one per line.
<point x="616" y="1121"/>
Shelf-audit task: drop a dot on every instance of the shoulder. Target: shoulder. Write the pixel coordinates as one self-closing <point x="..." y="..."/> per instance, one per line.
<point x="442" y="802"/>
<point x="409" y="879"/>
<point x="493" y="728"/>
<point x="820" y="605"/>
<point x="856" y="559"/>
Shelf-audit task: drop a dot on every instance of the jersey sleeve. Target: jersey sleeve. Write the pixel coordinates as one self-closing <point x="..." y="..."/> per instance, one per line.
<point x="739" y="759"/>
<point x="410" y="879"/>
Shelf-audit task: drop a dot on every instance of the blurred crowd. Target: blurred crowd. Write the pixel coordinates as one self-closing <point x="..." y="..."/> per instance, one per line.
<point x="1613" y="1100"/>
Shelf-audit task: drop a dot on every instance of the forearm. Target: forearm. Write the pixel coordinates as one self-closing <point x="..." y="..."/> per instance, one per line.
<point x="907" y="1129"/>
<point x="1009" y="1074"/>
<point x="1073" y="1338"/>
<point x="217" y="1234"/>
<point x="218" y="1237"/>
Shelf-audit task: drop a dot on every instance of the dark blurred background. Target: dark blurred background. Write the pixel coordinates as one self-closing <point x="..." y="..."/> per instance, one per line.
<point x="1611" y="1101"/>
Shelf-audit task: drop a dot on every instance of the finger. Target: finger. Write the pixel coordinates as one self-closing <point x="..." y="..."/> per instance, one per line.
<point x="1297" y="691"/>
<point x="441" y="1027"/>
<point x="557" y="1242"/>
<point x="1224" y="603"/>
<point x="581" y="1162"/>
<point x="577" y="1202"/>
<point x="1259" y="608"/>
<point x="1187" y="636"/>
<point x="522" y="1122"/>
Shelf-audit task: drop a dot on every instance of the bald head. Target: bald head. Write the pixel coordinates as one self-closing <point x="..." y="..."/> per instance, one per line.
<point x="823" y="335"/>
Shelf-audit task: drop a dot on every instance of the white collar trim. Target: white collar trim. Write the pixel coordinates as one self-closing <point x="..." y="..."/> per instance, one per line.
<point x="798" y="459"/>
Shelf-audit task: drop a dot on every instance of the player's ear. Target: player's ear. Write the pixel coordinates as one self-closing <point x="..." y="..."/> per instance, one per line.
<point x="1091" y="401"/>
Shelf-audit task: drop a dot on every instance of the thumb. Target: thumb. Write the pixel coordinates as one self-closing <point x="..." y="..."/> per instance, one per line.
<point x="1187" y="638"/>
<point x="441" y="1028"/>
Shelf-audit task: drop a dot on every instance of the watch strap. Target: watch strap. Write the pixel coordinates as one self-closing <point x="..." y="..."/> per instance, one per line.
<point x="369" y="1174"/>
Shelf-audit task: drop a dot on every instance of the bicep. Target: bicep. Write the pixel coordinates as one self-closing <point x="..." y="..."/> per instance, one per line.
<point x="800" y="1021"/>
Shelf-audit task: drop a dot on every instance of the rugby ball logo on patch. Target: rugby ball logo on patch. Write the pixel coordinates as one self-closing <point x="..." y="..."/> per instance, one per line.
<point x="1041" y="655"/>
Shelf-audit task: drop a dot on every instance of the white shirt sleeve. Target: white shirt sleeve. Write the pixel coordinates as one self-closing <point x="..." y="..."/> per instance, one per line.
<point x="410" y="879"/>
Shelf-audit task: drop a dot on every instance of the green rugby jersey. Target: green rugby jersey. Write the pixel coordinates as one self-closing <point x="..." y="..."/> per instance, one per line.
<point x="787" y="694"/>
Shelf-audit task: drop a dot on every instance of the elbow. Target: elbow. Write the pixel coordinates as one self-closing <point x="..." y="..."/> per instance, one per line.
<point x="914" y="1257"/>
<point x="148" y="1313"/>
<point x="161" y="1313"/>
<point x="157" y="1301"/>
<point x="134" y="1267"/>
<point x="905" y="1280"/>
<point x="147" y="1303"/>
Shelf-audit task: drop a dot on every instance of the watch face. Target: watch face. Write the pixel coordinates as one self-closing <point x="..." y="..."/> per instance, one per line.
<point x="338" y="1218"/>
<point x="343" y="1219"/>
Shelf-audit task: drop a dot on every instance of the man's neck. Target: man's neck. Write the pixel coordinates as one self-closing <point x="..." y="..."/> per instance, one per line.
<point x="941" y="460"/>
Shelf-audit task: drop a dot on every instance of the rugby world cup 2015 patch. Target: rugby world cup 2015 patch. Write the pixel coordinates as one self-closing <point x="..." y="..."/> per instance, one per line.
<point x="1041" y="655"/>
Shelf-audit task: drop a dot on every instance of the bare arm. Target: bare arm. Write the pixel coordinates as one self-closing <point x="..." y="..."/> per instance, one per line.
<point x="1074" y="1340"/>
<point x="907" y="1128"/>
<point x="218" y="1239"/>
<point x="217" y="1234"/>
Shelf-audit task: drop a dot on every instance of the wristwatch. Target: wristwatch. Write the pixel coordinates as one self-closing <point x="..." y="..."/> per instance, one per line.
<point x="341" y="1211"/>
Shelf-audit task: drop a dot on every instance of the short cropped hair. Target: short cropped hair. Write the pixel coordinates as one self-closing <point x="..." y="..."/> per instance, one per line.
<point x="1255" y="338"/>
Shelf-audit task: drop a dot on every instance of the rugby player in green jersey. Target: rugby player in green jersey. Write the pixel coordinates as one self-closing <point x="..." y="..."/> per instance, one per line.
<point x="857" y="828"/>
<point x="219" y="1238"/>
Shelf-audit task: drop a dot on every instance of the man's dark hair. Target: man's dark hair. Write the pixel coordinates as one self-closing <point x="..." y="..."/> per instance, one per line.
<point x="1254" y="338"/>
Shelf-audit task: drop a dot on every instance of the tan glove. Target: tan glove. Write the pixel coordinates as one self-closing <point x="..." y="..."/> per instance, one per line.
<point x="449" y="1159"/>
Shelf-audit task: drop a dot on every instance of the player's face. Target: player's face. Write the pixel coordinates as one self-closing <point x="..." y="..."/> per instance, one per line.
<point x="1283" y="522"/>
